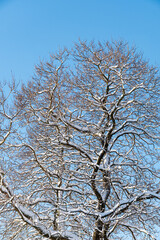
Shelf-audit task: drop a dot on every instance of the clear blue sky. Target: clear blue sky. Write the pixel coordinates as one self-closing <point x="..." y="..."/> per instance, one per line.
<point x="31" y="29"/>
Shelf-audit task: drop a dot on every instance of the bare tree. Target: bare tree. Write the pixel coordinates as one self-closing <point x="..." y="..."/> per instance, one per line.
<point x="79" y="149"/>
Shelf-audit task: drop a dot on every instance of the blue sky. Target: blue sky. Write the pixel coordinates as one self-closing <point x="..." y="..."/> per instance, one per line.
<point x="32" y="29"/>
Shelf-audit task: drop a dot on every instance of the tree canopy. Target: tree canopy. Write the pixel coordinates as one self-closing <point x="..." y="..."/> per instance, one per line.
<point x="80" y="147"/>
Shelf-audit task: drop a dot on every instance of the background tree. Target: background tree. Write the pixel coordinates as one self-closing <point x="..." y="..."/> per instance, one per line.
<point x="79" y="148"/>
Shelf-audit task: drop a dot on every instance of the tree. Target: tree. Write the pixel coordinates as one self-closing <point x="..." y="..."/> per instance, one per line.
<point x="79" y="148"/>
